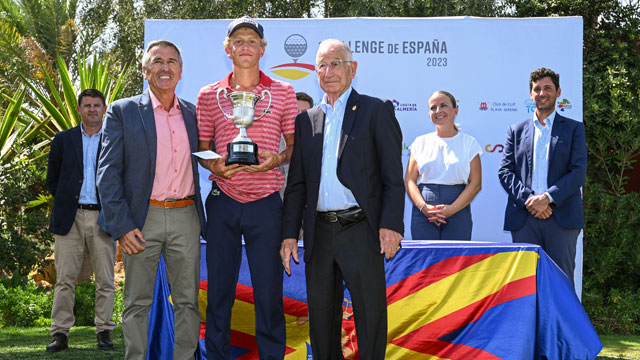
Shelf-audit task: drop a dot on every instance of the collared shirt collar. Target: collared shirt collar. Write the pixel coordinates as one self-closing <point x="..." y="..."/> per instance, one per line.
<point x="265" y="81"/>
<point x="156" y="103"/>
<point x="340" y="102"/>
<point x="548" y="121"/>
<point x="85" y="133"/>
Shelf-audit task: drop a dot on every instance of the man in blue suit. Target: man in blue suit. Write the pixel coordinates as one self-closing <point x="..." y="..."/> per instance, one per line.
<point x="543" y="167"/>
<point x="71" y="181"/>
<point x="149" y="190"/>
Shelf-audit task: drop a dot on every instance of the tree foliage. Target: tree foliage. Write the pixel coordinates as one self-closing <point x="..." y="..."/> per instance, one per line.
<point x="611" y="83"/>
<point x="410" y="8"/>
<point x="24" y="239"/>
<point x="32" y="32"/>
<point x="612" y="256"/>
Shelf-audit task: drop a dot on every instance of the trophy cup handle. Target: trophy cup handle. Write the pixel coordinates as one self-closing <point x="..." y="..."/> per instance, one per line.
<point x="266" y="110"/>
<point x="224" y="91"/>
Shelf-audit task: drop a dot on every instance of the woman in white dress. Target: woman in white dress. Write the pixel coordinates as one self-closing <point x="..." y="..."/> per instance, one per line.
<point x="443" y="175"/>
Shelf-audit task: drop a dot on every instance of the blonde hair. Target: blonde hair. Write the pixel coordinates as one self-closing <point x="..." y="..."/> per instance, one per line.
<point x="227" y="41"/>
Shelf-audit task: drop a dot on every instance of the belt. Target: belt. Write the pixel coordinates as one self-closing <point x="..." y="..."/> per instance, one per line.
<point x="172" y="203"/>
<point x="343" y="217"/>
<point x="95" y="207"/>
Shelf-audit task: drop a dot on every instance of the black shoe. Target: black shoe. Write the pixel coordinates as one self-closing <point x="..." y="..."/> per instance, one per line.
<point x="104" y="340"/>
<point x="58" y="343"/>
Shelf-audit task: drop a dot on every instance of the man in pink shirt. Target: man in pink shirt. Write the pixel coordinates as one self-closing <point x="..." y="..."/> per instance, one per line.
<point x="244" y="200"/>
<point x="149" y="191"/>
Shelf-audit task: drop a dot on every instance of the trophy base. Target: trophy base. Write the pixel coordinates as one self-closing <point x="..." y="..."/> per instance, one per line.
<point x="242" y="152"/>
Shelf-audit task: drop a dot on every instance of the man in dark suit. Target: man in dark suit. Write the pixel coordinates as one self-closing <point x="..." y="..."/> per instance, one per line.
<point x="71" y="181"/>
<point x="543" y="167"/>
<point x="148" y="184"/>
<point x="345" y="181"/>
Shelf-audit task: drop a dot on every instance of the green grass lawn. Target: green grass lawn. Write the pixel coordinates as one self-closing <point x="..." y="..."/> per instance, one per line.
<point x="29" y="343"/>
<point x="620" y="347"/>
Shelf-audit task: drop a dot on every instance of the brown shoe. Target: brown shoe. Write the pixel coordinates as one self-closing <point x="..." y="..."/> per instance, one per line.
<point x="104" y="340"/>
<point x="58" y="343"/>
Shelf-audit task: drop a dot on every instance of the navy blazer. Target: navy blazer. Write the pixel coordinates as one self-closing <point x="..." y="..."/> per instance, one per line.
<point x="65" y="174"/>
<point x="369" y="164"/>
<point x="567" y="172"/>
<point x="127" y="163"/>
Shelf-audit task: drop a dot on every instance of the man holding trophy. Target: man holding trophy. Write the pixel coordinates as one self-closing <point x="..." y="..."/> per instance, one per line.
<point x="245" y="114"/>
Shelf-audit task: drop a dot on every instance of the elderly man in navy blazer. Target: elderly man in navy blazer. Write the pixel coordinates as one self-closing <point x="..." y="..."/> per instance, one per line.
<point x="543" y="167"/>
<point x="345" y="181"/>
<point x="149" y="190"/>
<point x="71" y="181"/>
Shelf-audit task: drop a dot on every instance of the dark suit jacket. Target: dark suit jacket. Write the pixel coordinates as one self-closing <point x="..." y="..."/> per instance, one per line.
<point x="369" y="164"/>
<point x="65" y="175"/>
<point x="127" y="163"/>
<point x="567" y="172"/>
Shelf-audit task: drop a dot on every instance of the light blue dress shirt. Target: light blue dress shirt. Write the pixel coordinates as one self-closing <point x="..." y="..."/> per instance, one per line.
<point x="332" y="195"/>
<point x="541" y="145"/>
<point x="89" y="152"/>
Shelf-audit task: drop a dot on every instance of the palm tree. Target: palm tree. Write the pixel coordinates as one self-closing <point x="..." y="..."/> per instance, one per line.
<point x="32" y="34"/>
<point x="55" y="106"/>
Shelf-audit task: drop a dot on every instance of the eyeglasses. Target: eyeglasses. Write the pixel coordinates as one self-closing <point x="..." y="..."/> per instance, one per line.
<point x="332" y="65"/>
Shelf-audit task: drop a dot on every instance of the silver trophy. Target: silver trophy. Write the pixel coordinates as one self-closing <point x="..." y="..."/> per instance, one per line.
<point x="242" y="150"/>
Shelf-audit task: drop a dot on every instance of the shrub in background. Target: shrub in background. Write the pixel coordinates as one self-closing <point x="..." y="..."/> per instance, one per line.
<point x="23" y="305"/>
<point x="24" y="237"/>
<point x="27" y="305"/>
<point x="611" y="287"/>
<point x="84" y="309"/>
<point x="118" y="305"/>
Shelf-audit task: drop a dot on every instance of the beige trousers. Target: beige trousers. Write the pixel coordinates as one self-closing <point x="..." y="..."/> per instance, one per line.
<point x="174" y="233"/>
<point x="85" y="236"/>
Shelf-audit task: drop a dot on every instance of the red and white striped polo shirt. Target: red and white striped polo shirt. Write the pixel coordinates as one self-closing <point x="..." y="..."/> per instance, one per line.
<point x="213" y="125"/>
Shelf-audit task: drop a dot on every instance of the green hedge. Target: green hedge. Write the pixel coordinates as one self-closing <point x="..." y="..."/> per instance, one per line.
<point x="27" y="305"/>
<point x="611" y="294"/>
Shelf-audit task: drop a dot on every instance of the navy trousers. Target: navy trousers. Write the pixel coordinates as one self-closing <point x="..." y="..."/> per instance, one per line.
<point x="260" y="223"/>
<point x="559" y="243"/>
<point x="458" y="226"/>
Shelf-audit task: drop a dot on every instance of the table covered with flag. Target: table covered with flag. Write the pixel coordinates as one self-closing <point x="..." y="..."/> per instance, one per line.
<point x="446" y="300"/>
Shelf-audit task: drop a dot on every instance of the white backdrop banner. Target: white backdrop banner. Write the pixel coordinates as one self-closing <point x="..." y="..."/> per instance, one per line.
<point x="484" y="62"/>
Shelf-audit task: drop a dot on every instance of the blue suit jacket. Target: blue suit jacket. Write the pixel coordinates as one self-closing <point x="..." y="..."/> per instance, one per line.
<point x="369" y="164"/>
<point x="65" y="174"/>
<point x="127" y="163"/>
<point x="567" y="172"/>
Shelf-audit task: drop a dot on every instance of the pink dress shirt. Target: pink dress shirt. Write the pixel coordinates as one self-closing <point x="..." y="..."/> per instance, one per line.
<point x="174" y="175"/>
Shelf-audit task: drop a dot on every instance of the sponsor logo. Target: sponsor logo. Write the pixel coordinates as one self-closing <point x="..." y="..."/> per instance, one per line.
<point x="494" y="148"/>
<point x="530" y="106"/>
<point x="498" y="106"/>
<point x="398" y="106"/>
<point x="565" y="104"/>
<point x="295" y="45"/>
